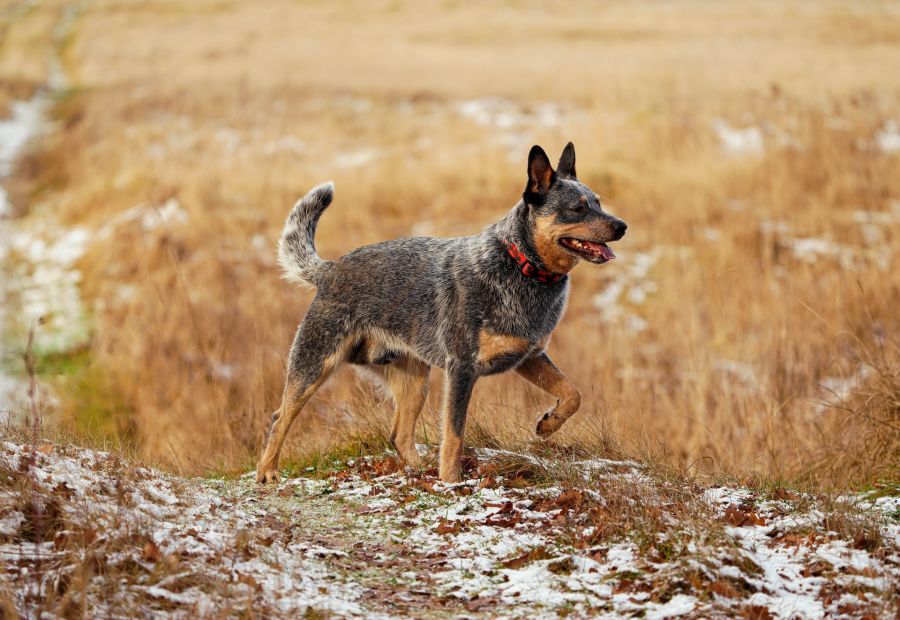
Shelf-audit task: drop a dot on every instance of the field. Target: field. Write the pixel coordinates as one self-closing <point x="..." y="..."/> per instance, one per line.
<point x="748" y="330"/>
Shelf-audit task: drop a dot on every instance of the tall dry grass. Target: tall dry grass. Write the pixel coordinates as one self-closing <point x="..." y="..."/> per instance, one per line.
<point x="756" y="326"/>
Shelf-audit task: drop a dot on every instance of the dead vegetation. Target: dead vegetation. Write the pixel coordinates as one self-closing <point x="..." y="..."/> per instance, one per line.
<point x="749" y="325"/>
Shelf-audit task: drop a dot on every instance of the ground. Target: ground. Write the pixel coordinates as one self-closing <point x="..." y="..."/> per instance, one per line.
<point x="86" y="533"/>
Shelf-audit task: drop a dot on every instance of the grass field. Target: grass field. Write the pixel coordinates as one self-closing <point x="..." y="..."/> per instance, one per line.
<point x="748" y="327"/>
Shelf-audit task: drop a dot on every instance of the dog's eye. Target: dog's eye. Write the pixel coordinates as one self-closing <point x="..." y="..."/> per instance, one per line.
<point x="579" y="207"/>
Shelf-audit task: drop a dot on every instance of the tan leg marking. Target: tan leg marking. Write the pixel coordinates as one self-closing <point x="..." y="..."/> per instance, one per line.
<point x="292" y="402"/>
<point x="407" y="379"/>
<point x="451" y="453"/>
<point x="491" y="345"/>
<point x="540" y="371"/>
<point x="458" y="384"/>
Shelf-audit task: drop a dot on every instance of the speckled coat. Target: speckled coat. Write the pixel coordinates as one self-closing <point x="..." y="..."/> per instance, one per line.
<point x="463" y="304"/>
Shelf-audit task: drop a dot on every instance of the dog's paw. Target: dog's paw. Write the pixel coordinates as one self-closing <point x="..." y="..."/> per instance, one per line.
<point x="548" y="424"/>
<point x="267" y="476"/>
<point x="451" y="475"/>
<point x="416" y="462"/>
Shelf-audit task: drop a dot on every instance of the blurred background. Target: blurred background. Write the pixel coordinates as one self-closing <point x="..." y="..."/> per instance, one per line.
<point x="150" y="151"/>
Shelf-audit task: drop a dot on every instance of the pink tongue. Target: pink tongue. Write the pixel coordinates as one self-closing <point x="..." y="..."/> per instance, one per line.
<point x="603" y="250"/>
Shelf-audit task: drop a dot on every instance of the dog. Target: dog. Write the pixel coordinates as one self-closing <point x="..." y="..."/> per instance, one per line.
<point x="473" y="306"/>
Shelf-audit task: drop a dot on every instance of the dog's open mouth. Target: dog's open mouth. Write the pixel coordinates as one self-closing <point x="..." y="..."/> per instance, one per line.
<point x="594" y="251"/>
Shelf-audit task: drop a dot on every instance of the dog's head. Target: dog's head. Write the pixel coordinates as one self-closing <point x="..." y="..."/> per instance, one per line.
<point x="567" y="220"/>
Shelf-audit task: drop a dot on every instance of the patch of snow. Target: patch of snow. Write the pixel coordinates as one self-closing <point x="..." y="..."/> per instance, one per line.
<point x="513" y="125"/>
<point x="738" y="140"/>
<point x="742" y="371"/>
<point x="630" y="281"/>
<point x="355" y="159"/>
<point x="838" y="389"/>
<point x="505" y="114"/>
<point x="286" y="144"/>
<point x="25" y="296"/>
<point x="888" y="137"/>
<point x="678" y="605"/>
<point x="24" y="124"/>
<point x="45" y="284"/>
<point x="784" y="586"/>
<point x="814" y="249"/>
<point x="184" y="518"/>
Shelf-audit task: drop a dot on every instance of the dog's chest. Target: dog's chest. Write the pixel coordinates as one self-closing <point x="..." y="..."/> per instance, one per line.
<point x="525" y="312"/>
<point x="500" y="352"/>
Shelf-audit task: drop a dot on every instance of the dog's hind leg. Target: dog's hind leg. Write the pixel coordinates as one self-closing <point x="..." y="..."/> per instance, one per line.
<point x="407" y="379"/>
<point x="317" y="350"/>
<point x="541" y="371"/>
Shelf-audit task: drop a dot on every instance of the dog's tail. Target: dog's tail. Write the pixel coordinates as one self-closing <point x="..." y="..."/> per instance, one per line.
<point x="296" y="249"/>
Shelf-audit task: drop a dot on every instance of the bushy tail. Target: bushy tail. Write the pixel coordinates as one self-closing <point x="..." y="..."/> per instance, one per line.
<point x="296" y="249"/>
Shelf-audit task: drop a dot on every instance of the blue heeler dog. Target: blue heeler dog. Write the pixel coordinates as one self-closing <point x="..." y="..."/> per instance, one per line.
<point x="473" y="306"/>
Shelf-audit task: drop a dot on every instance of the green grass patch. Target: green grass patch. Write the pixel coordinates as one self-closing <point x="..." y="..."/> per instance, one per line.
<point x="324" y="464"/>
<point x="90" y="408"/>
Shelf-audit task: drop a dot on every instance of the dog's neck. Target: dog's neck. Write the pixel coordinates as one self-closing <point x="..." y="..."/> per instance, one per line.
<point x="513" y="235"/>
<point x="516" y="227"/>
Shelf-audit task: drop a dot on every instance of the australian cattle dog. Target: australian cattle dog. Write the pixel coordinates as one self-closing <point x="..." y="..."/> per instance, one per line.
<point x="473" y="306"/>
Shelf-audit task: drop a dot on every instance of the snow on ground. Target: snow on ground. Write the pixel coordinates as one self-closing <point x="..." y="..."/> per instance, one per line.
<point x="807" y="571"/>
<point x="888" y="137"/>
<point x="368" y="538"/>
<point x="629" y="287"/>
<point x="25" y="123"/>
<point x="141" y="522"/>
<point x="812" y="250"/>
<point x="512" y="124"/>
<point x="738" y="140"/>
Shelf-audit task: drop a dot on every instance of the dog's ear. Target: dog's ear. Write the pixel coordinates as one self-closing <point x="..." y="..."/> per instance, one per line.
<point x="540" y="176"/>
<point x="566" y="167"/>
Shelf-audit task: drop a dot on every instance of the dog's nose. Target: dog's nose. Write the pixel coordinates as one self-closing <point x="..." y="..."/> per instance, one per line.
<point x="620" y="228"/>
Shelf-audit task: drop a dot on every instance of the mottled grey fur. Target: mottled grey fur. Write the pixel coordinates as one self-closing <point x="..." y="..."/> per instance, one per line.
<point x="430" y="298"/>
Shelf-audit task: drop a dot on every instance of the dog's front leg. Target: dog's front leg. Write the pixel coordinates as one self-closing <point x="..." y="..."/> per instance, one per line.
<point x="459" y="379"/>
<point x="541" y="371"/>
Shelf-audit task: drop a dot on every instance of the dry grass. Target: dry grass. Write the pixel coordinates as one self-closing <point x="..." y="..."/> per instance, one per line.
<point x="234" y="109"/>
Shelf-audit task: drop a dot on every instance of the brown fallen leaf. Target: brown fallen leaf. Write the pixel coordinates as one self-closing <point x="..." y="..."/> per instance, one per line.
<point x="425" y="485"/>
<point x="816" y="568"/>
<point x="724" y="588"/>
<point x="150" y="552"/>
<point x="250" y="581"/>
<point x="565" y="566"/>
<point x="569" y="499"/>
<point x="488" y="483"/>
<point x="445" y="526"/>
<point x="784" y="495"/>
<point x="469" y="461"/>
<point x="505" y="508"/>
<point x="387" y="465"/>
<point x="741" y="518"/>
<point x="501" y="522"/>
<point x="756" y="612"/>
<point x="538" y="553"/>
<point x="517" y="483"/>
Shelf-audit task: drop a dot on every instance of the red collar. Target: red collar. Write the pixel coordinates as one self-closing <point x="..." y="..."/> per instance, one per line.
<point x="527" y="267"/>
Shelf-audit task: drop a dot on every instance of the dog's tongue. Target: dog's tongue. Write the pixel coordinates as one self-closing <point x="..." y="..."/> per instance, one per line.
<point x="602" y="249"/>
